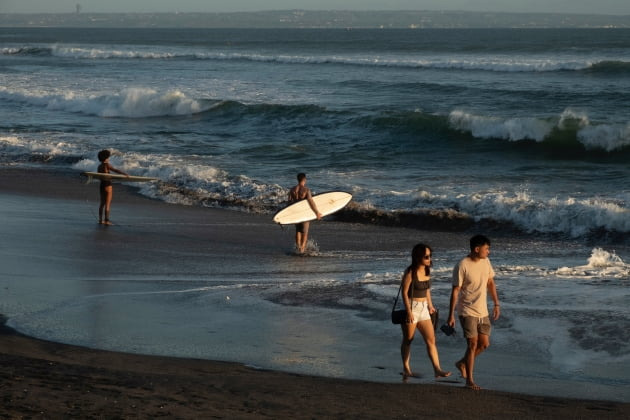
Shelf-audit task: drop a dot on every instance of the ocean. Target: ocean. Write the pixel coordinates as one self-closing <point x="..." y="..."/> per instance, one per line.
<point x="518" y="133"/>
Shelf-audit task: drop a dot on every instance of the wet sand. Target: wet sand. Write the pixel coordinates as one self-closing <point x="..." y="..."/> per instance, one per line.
<point x="42" y="379"/>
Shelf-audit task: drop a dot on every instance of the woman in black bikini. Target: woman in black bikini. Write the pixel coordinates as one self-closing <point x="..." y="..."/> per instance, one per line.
<point x="416" y="293"/>
<point x="106" y="188"/>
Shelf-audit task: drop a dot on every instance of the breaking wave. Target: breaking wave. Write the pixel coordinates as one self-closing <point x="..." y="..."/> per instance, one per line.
<point x="189" y="181"/>
<point x="128" y="103"/>
<point x="571" y="127"/>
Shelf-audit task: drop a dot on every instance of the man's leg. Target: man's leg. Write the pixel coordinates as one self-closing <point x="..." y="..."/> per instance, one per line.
<point x="476" y="346"/>
<point x="304" y="239"/>
<point x="299" y="229"/>
<point x="298" y="240"/>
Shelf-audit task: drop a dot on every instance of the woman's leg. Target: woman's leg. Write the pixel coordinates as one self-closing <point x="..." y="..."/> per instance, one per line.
<point x="106" y="201"/>
<point x="426" y="329"/>
<point x="408" y="331"/>
<point x="101" y="207"/>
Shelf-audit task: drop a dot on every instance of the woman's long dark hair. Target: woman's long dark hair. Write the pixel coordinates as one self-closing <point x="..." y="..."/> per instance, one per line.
<point x="417" y="254"/>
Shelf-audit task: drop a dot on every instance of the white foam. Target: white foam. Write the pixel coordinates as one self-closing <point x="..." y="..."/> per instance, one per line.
<point x="609" y="137"/>
<point x="530" y="211"/>
<point x="10" y="50"/>
<point x="188" y="183"/>
<point x="601" y="263"/>
<point x="101" y="53"/>
<point x="135" y="102"/>
<point x="568" y="215"/>
<point x="512" y="129"/>
<point x="18" y="145"/>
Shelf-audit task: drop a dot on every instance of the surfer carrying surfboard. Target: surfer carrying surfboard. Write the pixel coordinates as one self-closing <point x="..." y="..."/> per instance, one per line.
<point x="106" y="189"/>
<point x="297" y="193"/>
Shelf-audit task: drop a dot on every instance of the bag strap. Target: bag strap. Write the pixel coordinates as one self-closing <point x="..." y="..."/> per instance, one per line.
<point x="400" y="288"/>
<point x="398" y="294"/>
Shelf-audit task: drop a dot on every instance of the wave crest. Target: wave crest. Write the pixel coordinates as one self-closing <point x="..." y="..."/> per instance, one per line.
<point x="570" y="127"/>
<point x="481" y="62"/>
<point x="128" y="103"/>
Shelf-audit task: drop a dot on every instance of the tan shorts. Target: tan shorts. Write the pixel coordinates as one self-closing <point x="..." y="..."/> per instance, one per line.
<point x="474" y="326"/>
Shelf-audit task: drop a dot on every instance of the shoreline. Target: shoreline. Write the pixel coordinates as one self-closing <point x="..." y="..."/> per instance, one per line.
<point x="45" y="379"/>
<point x="57" y="375"/>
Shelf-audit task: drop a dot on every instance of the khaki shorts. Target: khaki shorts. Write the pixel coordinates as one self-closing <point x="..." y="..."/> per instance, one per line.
<point x="474" y="326"/>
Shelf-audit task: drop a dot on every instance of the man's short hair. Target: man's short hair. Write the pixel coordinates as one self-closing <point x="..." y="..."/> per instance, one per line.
<point x="478" y="240"/>
<point x="301" y="176"/>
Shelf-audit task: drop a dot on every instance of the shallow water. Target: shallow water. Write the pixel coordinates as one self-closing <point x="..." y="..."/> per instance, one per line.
<point x="170" y="291"/>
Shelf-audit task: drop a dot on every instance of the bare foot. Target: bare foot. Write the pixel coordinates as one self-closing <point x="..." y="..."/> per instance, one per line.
<point x="410" y="374"/>
<point x="462" y="368"/>
<point x="442" y="374"/>
<point x="473" y="386"/>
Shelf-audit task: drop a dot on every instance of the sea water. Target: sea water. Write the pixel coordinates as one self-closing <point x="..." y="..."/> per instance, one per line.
<point x="517" y="133"/>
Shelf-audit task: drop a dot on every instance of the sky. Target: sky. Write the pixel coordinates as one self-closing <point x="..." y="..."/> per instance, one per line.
<point x="614" y="7"/>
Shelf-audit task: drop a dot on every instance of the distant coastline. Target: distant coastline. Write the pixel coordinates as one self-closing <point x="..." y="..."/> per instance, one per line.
<point x="317" y="19"/>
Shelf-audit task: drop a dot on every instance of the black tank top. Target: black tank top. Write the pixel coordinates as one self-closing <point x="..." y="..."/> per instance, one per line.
<point x="419" y="287"/>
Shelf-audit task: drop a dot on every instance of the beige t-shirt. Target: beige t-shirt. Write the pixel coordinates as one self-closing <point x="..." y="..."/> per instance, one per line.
<point x="472" y="278"/>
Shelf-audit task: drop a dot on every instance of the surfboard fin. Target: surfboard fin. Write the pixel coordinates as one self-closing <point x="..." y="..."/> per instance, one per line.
<point x="88" y="177"/>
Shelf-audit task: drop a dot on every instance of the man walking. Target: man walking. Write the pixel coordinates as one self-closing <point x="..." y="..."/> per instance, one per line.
<point x="473" y="278"/>
<point x="297" y="193"/>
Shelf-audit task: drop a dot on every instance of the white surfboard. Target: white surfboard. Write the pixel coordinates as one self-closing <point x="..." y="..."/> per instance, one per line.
<point x="116" y="177"/>
<point x="327" y="203"/>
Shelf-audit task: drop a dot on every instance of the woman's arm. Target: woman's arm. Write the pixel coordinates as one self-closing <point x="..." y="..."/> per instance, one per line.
<point x="430" y="302"/>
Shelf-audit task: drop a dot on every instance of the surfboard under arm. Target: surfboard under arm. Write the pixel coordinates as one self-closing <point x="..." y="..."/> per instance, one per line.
<point x="327" y="203"/>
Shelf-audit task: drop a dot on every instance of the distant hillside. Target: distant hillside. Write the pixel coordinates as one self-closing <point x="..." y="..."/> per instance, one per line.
<point x="317" y="19"/>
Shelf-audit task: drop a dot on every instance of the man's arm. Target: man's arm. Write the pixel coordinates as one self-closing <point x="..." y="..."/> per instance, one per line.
<point x="451" y="307"/>
<point x="311" y="202"/>
<point x="492" y="288"/>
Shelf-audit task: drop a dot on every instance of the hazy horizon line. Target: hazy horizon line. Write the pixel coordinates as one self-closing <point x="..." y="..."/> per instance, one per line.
<point x="320" y="10"/>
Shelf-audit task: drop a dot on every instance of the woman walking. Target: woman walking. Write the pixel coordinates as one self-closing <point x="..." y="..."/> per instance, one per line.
<point x="416" y="294"/>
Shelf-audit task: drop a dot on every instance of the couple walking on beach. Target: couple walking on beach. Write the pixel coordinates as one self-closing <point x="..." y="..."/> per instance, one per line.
<point x="473" y="278"/>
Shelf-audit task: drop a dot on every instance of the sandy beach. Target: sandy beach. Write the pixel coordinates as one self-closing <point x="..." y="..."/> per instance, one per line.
<point x="41" y="379"/>
<point x="51" y="235"/>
